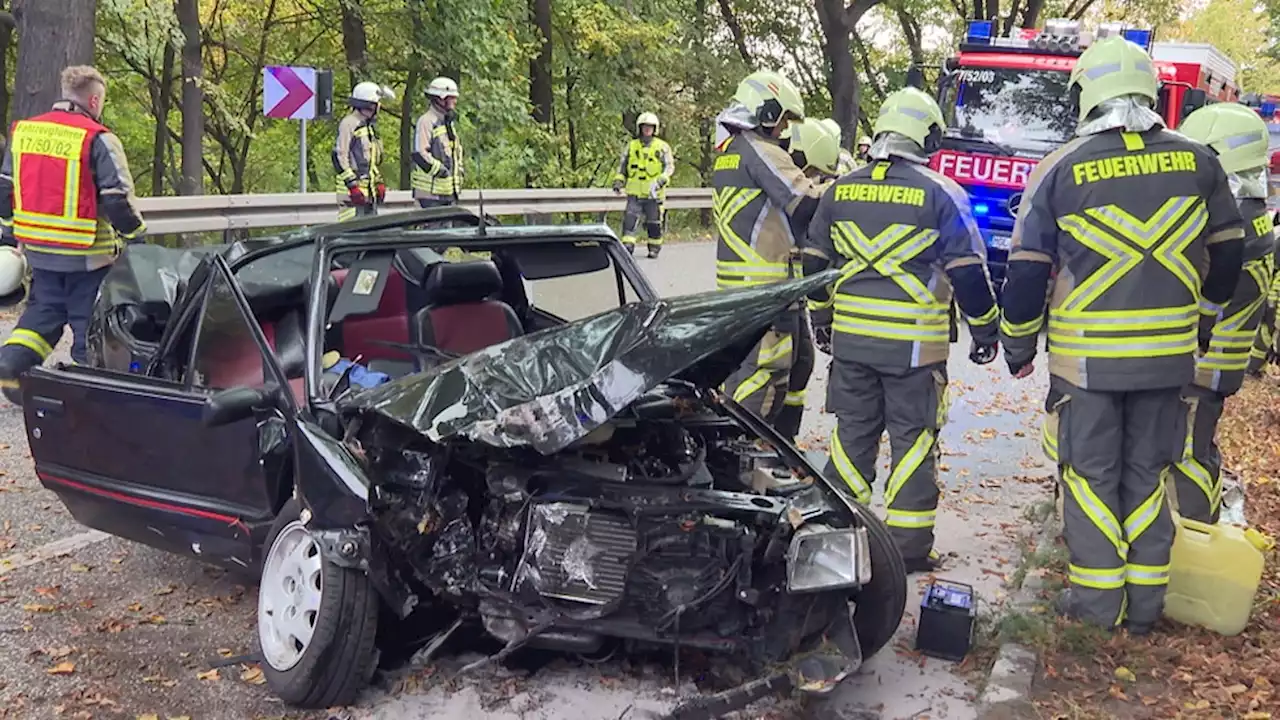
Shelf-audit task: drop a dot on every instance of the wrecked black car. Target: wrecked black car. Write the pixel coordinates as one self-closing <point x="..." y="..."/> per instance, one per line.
<point x="498" y="427"/>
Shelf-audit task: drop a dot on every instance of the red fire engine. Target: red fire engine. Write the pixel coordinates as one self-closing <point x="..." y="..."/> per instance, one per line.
<point x="1007" y="106"/>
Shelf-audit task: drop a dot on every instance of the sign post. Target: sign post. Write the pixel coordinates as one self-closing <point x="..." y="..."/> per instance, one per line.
<point x="297" y="93"/>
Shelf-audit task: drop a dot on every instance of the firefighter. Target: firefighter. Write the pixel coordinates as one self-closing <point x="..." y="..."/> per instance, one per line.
<point x="904" y="236"/>
<point x="437" y="153"/>
<point x="358" y="152"/>
<point x="1266" y="341"/>
<point x="864" y="150"/>
<point x="817" y="153"/>
<point x="1239" y="137"/>
<point x="644" y="170"/>
<point x="846" y="163"/>
<point x="71" y="208"/>
<point x="1137" y="224"/>
<point x="762" y="203"/>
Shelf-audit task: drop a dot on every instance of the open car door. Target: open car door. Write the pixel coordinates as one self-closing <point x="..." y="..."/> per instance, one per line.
<point x="128" y="454"/>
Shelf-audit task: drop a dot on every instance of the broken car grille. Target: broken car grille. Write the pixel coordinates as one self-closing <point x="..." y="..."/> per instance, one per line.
<point x="574" y="554"/>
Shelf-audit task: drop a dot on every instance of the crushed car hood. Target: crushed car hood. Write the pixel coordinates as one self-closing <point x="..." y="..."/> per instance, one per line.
<point x="551" y="388"/>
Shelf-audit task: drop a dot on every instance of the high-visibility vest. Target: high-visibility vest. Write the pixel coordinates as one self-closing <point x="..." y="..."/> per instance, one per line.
<point x="55" y="202"/>
<point x="645" y="163"/>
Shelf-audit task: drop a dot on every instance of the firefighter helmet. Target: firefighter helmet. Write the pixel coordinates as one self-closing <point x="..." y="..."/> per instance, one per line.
<point x="647" y="118"/>
<point x="832" y="127"/>
<point x="910" y="112"/>
<point x="442" y="87"/>
<point x="864" y="140"/>
<point x="770" y="97"/>
<point x="1112" y="68"/>
<point x="13" y="276"/>
<point x="368" y="95"/>
<point x="1236" y="133"/>
<point x="820" y="149"/>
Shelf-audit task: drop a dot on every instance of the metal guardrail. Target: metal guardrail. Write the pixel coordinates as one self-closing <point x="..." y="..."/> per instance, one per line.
<point x="219" y="213"/>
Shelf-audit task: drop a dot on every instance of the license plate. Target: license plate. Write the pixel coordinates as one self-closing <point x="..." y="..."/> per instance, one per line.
<point x="1000" y="242"/>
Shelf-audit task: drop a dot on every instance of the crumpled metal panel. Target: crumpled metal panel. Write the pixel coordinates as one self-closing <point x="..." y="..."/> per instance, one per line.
<point x="551" y="388"/>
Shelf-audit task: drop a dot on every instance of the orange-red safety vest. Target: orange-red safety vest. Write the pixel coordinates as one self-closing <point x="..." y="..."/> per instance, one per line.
<point x="55" y="203"/>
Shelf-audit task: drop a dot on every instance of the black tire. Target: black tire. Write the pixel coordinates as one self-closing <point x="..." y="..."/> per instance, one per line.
<point x="341" y="657"/>
<point x="882" y="602"/>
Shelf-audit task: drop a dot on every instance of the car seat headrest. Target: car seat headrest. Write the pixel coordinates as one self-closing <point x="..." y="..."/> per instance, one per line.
<point x="450" y="283"/>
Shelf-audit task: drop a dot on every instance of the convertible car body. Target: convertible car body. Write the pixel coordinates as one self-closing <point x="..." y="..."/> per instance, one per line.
<point x="496" y="426"/>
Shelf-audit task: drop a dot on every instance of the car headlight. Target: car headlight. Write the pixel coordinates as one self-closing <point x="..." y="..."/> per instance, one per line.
<point x="823" y="558"/>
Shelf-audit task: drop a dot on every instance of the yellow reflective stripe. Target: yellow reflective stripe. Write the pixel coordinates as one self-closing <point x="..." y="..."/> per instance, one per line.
<point x="56" y="221"/>
<point x="1099" y="514"/>
<point x="774" y="352"/>
<point x="1146" y="513"/>
<point x="726" y="203"/>
<point x="821" y="305"/>
<point x="1144" y="346"/>
<point x="796" y="398"/>
<point x="877" y="307"/>
<point x="987" y="317"/>
<point x="908" y="465"/>
<point x="1048" y="440"/>
<point x="860" y="487"/>
<point x="1031" y="327"/>
<point x="1154" y="233"/>
<point x="758" y="379"/>
<point x="910" y="519"/>
<point x="1192" y="468"/>
<point x="1174" y="318"/>
<point x="77" y="240"/>
<point x="1147" y="574"/>
<point x="1096" y="578"/>
<point x="892" y="330"/>
<point x="30" y="340"/>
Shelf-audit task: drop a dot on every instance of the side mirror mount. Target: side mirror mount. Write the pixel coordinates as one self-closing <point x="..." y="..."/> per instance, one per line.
<point x="1193" y="100"/>
<point x="234" y="404"/>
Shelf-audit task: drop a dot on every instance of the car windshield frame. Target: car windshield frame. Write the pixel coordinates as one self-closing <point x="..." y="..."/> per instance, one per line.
<point x="1056" y="127"/>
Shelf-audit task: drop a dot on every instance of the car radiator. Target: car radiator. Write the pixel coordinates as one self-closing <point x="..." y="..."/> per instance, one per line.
<point x="574" y="554"/>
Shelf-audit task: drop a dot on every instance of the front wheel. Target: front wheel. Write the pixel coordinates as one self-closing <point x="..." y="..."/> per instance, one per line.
<point x="880" y="603"/>
<point x="316" y="620"/>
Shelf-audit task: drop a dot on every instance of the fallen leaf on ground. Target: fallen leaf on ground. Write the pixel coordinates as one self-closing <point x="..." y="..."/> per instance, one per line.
<point x="80" y="567"/>
<point x="1125" y="674"/>
<point x="39" y="608"/>
<point x="208" y="675"/>
<point x="253" y="675"/>
<point x="135" y="607"/>
<point x="62" y="668"/>
<point x="167" y="589"/>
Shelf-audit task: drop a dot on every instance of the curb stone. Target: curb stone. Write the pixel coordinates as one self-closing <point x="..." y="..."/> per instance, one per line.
<point x="1007" y="694"/>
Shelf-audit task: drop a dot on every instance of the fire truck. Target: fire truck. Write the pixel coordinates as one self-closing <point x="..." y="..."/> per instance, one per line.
<point x="1007" y="106"/>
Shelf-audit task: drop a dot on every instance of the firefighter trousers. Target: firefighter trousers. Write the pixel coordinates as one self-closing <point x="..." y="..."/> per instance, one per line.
<point x="912" y="405"/>
<point x="1263" y="344"/>
<point x="648" y="208"/>
<point x="1114" y="451"/>
<point x="792" y="413"/>
<point x="57" y="299"/>
<point x="1197" y="476"/>
<point x="760" y="384"/>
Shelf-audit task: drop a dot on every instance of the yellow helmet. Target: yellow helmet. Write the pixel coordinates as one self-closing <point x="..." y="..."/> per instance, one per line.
<point x="820" y="149"/>
<point x="770" y="97"/>
<point x="1236" y="133"/>
<point x="832" y="127"/>
<point x="912" y="113"/>
<point x="1112" y="68"/>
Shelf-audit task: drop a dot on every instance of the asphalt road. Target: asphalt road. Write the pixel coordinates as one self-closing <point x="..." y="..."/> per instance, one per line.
<point x="97" y="627"/>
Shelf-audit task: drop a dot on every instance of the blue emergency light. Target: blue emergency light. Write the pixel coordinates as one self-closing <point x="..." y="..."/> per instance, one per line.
<point x="981" y="208"/>
<point x="979" y="32"/>
<point x="1141" y="38"/>
<point x="1268" y="109"/>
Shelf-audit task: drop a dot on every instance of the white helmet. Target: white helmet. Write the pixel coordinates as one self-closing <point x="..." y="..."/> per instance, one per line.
<point x="368" y="95"/>
<point x="647" y="118"/>
<point x="13" y="276"/>
<point x="442" y="87"/>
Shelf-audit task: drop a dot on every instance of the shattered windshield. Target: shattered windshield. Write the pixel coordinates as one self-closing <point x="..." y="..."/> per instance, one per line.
<point x="1021" y="110"/>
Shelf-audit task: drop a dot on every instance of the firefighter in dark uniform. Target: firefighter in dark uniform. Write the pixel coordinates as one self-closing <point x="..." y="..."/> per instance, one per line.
<point x="71" y="225"/>
<point x="817" y="153"/>
<point x="357" y="154"/>
<point x="437" y="153"/>
<point x="1140" y="225"/>
<point x="1264" y="343"/>
<point x="1239" y="137"/>
<point x="762" y="204"/>
<point x="904" y="237"/>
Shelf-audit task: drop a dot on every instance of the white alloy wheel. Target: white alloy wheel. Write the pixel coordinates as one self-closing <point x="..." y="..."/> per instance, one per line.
<point x="289" y="596"/>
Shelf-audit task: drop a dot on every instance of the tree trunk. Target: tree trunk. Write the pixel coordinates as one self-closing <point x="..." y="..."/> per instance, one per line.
<point x="354" y="42"/>
<point x="705" y="127"/>
<point x="52" y="34"/>
<point x="540" y="91"/>
<point x="161" y="102"/>
<point x="842" y="79"/>
<point x="735" y="29"/>
<point x="192" y="99"/>
<point x="408" y="121"/>
<point x="6" y="39"/>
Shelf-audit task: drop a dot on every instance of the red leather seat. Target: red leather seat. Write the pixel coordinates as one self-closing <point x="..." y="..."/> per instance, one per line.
<point x="463" y="314"/>
<point x="236" y="361"/>
<point x="390" y="322"/>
